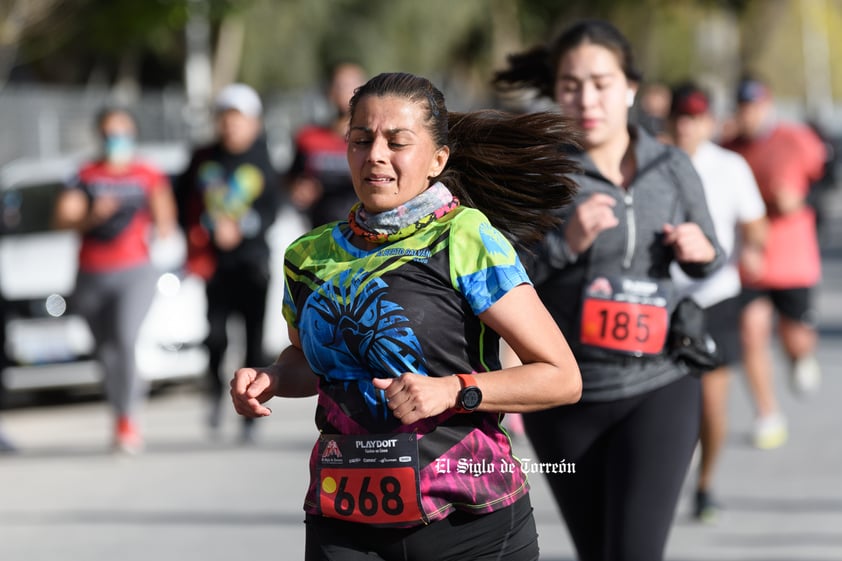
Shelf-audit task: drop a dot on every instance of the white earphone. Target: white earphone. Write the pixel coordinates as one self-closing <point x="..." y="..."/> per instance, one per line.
<point x="630" y="98"/>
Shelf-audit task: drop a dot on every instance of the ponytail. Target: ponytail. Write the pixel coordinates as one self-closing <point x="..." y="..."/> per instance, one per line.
<point x="515" y="168"/>
<point x="532" y="69"/>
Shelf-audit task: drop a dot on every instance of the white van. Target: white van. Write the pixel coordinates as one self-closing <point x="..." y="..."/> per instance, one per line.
<point x="46" y="346"/>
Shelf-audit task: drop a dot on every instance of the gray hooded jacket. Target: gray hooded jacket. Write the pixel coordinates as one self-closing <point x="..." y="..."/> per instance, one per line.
<point x="665" y="190"/>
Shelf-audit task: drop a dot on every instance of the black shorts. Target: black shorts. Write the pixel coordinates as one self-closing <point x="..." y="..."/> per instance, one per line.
<point x="507" y="534"/>
<point x="792" y="303"/>
<point x="723" y="324"/>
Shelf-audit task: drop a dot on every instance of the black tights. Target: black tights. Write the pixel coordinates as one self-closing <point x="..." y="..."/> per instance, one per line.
<point x="505" y="535"/>
<point x="631" y="457"/>
<point x="242" y="291"/>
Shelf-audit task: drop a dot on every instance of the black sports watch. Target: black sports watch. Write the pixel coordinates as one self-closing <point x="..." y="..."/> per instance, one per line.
<point x="470" y="395"/>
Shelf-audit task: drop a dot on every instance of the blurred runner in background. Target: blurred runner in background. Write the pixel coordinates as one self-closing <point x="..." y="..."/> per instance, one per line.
<point x="117" y="203"/>
<point x="739" y="217"/>
<point x="228" y="197"/>
<point x="786" y="158"/>
<point x="319" y="180"/>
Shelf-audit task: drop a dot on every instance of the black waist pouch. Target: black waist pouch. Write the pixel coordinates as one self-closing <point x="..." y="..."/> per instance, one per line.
<point x="689" y="342"/>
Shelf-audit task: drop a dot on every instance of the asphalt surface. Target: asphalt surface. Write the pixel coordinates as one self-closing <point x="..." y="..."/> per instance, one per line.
<point x="189" y="497"/>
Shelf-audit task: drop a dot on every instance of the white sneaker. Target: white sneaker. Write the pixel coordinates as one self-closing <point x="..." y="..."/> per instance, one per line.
<point x="805" y="377"/>
<point x="770" y="432"/>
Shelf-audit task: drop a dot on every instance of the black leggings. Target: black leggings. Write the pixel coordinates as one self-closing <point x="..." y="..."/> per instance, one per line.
<point x="505" y="535"/>
<point x="631" y="457"/>
<point x="235" y="291"/>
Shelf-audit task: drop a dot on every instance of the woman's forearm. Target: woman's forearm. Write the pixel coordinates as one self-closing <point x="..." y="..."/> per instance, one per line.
<point x="292" y="375"/>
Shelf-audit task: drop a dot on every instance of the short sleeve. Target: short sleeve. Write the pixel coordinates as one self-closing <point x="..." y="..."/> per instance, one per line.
<point x="289" y="309"/>
<point x="74" y="181"/>
<point x="157" y="179"/>
<point x="484" y="265"/>
<point x="750" y="203"/>
<point x="806" y="163"/>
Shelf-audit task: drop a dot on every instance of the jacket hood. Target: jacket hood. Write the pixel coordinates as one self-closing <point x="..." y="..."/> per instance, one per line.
<point x="647" y="151"/>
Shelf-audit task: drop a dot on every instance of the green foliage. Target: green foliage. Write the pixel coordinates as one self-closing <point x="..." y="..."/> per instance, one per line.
<point x="307" y="37"/>
<point x="289" y="44"/>
<point x="77" y="32"/>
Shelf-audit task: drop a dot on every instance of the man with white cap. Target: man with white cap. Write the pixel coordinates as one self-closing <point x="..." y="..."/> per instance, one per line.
<point x="228" y="198"/>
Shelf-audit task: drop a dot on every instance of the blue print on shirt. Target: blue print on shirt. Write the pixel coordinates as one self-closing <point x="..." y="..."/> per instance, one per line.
<point x="494" y="241"/>
<point x="355" y="334"/>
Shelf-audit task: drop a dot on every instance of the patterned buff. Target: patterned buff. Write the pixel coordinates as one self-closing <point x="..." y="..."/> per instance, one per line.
<point x="403" y="221"/>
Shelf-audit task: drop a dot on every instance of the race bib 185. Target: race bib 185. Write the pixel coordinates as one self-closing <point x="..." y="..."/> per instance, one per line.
<point x="625" y="315"/>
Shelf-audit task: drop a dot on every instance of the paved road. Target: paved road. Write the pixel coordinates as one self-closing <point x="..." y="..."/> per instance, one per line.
<point x="190" y="498"/>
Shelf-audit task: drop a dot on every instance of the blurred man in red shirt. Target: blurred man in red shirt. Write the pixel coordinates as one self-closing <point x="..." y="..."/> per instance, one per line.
<point x="786" y="159"/>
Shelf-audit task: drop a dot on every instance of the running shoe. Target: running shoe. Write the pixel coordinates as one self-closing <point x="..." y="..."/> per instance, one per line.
<point x="770" y="432"/>
<point x="127" y="437"/>
<point x="805" y="377"/>
<point x="705" y="509"/>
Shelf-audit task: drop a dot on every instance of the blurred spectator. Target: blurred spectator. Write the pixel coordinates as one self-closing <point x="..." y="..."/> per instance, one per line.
<point x="654" y="109"/>
<point x="739" y="220"/>
<point x="113" y="202"/>
<point x="319" y="180"/>
<point x="228" y="198"/>
<point x="786" y="159"/>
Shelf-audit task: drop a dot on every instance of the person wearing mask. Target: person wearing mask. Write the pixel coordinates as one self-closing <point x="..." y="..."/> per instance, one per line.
<point x="654" y="109"/>
<point x="319" y="181"/>
<point x="116" y="203"/>
<point x="786" y="159"/>
<point x="228" y="198"/>
<point x="739" y="217"/>
<point x="395" y="317"/>
<point x="604" y="274"/>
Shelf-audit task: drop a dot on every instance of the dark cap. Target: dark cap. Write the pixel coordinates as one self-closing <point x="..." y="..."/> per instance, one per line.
<point x="689" y="99"/>
<point x="750" y="89"/>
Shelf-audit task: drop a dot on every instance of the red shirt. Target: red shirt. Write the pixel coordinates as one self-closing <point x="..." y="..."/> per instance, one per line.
<point x="321" y="153"/>
<point x="789" y="157"/>
<point x="122" y="240"/>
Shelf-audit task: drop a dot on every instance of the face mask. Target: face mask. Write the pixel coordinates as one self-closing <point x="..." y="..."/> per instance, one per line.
<point x="119" y="149"/>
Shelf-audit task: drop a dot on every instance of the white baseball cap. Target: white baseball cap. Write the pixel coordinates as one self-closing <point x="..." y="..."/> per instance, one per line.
<point x="240" y="97"/>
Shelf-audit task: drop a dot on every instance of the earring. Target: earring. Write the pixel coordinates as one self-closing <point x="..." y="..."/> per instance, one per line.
<point x="630" y="98"/>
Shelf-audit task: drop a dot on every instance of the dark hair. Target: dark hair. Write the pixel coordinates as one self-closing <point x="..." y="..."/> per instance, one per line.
<point x="109" y="110"/>
<point x="516" y="169"/>
<point x="536" y="68"/>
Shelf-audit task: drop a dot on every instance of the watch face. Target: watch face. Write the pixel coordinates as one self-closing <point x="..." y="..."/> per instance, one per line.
<point x="471" y="398"/>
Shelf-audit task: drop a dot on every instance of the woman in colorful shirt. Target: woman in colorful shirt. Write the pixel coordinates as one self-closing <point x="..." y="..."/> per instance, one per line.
<point x="416" y="286"/>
